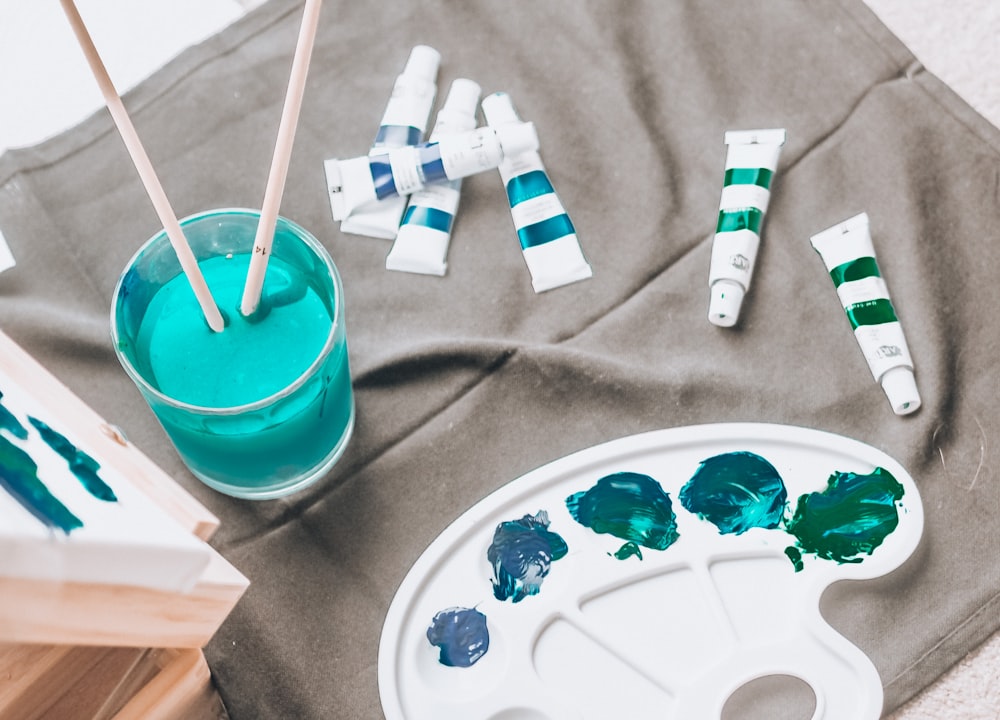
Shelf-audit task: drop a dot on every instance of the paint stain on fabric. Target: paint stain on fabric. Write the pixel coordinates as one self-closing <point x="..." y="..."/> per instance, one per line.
<point x="521" y="554"/>
<point x="19" y="477"/>
<point x="461" y="636"/>
<point x="83" y="466"/>
<point x="848" y="520"/>
<point x="630" y="506"/>
<point x="736" y="491"/>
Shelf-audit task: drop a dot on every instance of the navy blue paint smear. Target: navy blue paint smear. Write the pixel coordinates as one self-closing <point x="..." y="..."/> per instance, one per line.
<point x="461" y="636"/>
<point x="19" y="477"/>
<point x="521" y="554"/>
<point x="10" y="423"/>
<point x="735" y="492"/>
<point x="80" y="463"/>
<point x="630" y="506"/>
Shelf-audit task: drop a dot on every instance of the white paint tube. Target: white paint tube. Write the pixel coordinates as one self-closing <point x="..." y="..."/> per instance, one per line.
<point x="360" y="181"/>
<point x="421" y="244"/>
<point x="751" y="159"/>
<point x="404" y="122"/>
<point x="548" y="239"/>
<point x="849" y="256"/>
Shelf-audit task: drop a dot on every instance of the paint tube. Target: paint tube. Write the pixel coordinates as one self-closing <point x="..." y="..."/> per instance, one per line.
<point x="6" y="256"/>
<point x="404" y="122"/>
<point x="849" y="256"/>
<point x="548" y="239"/>
<point x="751" y="159"/>
<point x="422" y="241"/>
<point x="402" y="171"/>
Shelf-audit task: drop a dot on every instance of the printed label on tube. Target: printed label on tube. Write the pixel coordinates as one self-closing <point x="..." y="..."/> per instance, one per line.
<point x="849" y="256"/>
<point x="751" y="160"/>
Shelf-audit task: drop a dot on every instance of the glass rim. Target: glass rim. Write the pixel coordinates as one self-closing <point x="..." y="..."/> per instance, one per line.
<point x="303" y="235"/>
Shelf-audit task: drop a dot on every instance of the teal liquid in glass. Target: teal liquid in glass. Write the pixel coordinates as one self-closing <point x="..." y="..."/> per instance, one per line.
<point x="269" y="445"/>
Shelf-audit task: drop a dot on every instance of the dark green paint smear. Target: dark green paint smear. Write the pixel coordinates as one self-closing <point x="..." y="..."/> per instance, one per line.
<point x="849" y="519"/>
<point x="19" y="477"/>
<point x="80" y="463"/>
<point x="10" y="423"/>
<point x="521" y="554"/>
<point x="735" y="492"/>
<point x="630" y="506"/>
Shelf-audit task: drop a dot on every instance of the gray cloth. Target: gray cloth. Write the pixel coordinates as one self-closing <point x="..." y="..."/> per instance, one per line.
<point x="465" y="382"/>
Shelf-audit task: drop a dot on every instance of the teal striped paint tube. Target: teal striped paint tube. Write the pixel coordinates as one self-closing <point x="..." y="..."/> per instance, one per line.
<point x="421" y="244"/>
<point x="404" y="122"/>
<point x="751" y="160"/>
<point x="849" y="256"/>
<point x="548" y="239"/>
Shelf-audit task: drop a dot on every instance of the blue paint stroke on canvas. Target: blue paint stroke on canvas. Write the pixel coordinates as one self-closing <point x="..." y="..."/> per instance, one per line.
<point x="19" y="477"/>
<point x="630" y="506"/>
<point x="461" y="636"/>
<point x="80" y="463"/>
<point x="736" y="491"/>
<point x="521" y="554"/>
<point x="10" y="423"/>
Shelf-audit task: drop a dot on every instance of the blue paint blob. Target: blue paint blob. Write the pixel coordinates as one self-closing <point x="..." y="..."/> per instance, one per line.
<point x="735" y="492"/>
<point x="630" y="506"/>
<point x="10" y="423"/>
<point x="80" y="463"/>
<point x="461" y="636"/>
<point x="19" y="477"/>
<point x="521" y="554"/>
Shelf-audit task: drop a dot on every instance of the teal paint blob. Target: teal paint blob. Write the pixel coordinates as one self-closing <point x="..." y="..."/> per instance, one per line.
<point x="521" y="554"/>
<point x="627" y="550"/>
<point x="10" y="423"/>
<point x="735" y="492"/>
<point x="461" y="636"/>
<point x="851" y="518"/>
<point x="629" y="506"/>
<point x="80" y="463"/>
<point x="19" y="477"/>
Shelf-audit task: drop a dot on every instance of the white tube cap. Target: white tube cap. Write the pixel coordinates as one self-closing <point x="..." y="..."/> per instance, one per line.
<point x="724" y="306"/>
<point x="499" y="109"/>
<point x="517" y="138"/>
<point x="463" y="97"/>
<point x="901" y="389"/>
<point x="423" y="62"/>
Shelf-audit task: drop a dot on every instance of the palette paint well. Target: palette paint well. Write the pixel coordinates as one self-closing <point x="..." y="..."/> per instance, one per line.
<point x="652" y="576"/>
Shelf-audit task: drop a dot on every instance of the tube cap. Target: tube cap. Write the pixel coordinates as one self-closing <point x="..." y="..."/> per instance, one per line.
<point x="516" y="138"/>
<point x="901" y="389"/>
<point x="724" y="306"/>
<point x="499" y="109"/>
<point x="423" y="62"/>
<point x="463" y="96"/>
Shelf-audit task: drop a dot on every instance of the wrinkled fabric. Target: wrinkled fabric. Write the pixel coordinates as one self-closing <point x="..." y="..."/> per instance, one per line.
<point x="466" y="382"/>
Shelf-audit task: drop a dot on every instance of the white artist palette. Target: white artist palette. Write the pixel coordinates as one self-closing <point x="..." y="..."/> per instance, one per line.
<point x="672" y="635"/>
<point x="130" y="541"/>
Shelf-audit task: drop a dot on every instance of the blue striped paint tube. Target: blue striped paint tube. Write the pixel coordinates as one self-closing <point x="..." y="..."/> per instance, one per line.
<point x="548" y="239"/>
<point x="360" y="181"/>
<point x="422" y="241"/>
<point x="849" y="256"/>
<point x="751" y="159"/>
<point x="404" y="122"/>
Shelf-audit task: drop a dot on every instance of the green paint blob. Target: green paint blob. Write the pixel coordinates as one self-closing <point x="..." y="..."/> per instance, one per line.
<point x="80" y="463"/>
<point x="628" y="550"/>
<point x="849" y="519"/>
<point x="630" y="506"/>
<point x="735" y="492"/>
<point x="19" y="477"/>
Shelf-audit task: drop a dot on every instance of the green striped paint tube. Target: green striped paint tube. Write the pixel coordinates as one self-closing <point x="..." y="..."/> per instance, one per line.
<point x="849" y="256"/>
<point x="548" y="239"/>
<point x="421" y="244"/>
<point x="751" y="159"/>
